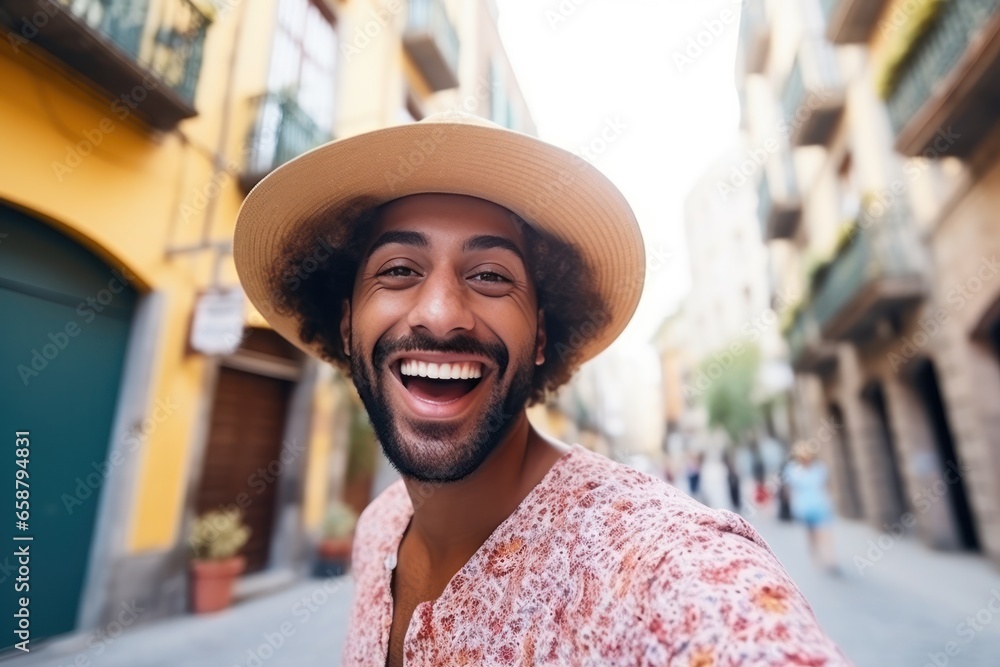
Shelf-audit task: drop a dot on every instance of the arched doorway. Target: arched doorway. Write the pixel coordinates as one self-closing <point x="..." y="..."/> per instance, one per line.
<point x="884" y="456"/>
<point x="927" y="387"/>
<point x="67" y="317"/>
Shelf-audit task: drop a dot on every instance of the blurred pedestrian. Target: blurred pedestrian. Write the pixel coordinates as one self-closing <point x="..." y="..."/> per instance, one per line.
<point x="695" y="459"/>
<point x="807" y="479"/>
<point x="784" y="504"/>
<point x="761" y="496"/>
<point x="733" y="481"/>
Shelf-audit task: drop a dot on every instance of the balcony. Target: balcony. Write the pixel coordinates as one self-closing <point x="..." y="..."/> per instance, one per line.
<point x="851" y="21"/>
<point x="145" y="56"/>
<point x="755" y="36"/>
<point x="431" y="41"/>
<point x="778" y="206"/>
<point x="942" y="94"/>
<point x="813" y="97"/>
<point x="877" y="273"/>
<point x="281" y="131"/>
<point x="807" y="351"/>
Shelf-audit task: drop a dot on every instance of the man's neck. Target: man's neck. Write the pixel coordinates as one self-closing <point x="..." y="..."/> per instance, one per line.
<point x="452" y="520"/>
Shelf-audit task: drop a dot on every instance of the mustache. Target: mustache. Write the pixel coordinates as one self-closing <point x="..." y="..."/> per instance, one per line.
<point x="458" y="344"/>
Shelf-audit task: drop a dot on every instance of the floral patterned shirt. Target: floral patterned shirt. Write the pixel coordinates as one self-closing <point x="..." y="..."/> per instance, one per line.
<point x="599" y="565"/>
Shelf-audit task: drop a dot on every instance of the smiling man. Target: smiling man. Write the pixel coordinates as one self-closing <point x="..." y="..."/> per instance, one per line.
<point x="456" y="297"/>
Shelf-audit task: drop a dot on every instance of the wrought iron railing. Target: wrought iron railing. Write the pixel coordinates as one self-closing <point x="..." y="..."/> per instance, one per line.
<point x="807" y="349"/>
<point x="814" y="74"/>
<point x="430" y="16"/>
<point x="797" y="336"/>
<point x="883" y="245"/>
<point x="934" y="55"/>
<point x="783" y="194"/>
<point x="282" y="130"/>
<point x="168" y="42"/>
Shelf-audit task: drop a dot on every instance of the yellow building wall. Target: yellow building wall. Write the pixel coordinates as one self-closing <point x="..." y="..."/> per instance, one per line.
<point x="128" y="194"/>
<point x="316" y="487"/>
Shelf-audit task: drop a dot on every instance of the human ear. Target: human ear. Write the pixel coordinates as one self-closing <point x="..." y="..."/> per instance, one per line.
<point x="540" y="339"/>
<point x="345" y="327"/>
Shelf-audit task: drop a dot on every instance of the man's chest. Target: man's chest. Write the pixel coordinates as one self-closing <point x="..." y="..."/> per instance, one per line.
<point x="533" y="615"/>
<point x="412" y="583"/>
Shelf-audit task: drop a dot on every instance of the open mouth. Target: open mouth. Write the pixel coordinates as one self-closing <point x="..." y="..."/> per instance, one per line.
<point x="439" y="383"/>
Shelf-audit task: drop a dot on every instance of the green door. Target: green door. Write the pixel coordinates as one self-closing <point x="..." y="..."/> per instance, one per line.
<point x="65" y="323"/>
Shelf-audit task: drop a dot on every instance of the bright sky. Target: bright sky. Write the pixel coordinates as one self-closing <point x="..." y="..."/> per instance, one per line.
<point x="584" y="63"/>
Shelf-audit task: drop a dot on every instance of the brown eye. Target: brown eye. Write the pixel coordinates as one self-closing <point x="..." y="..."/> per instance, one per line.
<point x="399" y="272"/>
<point x="491" y="283"/>
<point x="398" y="277"/>
<point x="491" y="277"/>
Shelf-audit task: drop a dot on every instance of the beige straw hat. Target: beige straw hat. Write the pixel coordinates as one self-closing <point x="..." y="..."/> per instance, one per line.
<point x="456" y="153"/>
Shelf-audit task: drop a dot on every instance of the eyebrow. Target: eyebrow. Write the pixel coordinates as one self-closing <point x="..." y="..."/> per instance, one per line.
<point x="399" y="236"/>
<point x="489" y="241"/>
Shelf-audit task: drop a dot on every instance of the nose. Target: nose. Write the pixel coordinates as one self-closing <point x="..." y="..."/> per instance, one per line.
<point x="441" y="307"/>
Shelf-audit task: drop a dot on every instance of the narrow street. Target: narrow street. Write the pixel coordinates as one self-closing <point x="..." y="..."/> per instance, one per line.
<point x="301" y="626"/>
<point x="903" y="610"/>
<point x="906" y="607"/>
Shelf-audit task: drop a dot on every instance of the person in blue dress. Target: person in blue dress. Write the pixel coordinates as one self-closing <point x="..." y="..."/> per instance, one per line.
<point x="807" y="479"/>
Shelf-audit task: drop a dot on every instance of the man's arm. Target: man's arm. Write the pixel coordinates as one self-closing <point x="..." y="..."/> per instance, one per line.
<point x="725" y="599"/>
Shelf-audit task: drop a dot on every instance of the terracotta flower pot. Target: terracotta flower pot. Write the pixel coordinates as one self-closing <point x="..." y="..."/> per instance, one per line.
<point x="212" y="583"/>
<point x="334" y="556"/>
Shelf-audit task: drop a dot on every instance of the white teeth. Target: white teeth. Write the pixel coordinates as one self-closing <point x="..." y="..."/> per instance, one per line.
<point x="449" y="371"/>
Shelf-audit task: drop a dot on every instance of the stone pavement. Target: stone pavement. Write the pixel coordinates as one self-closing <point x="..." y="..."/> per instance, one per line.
<point x="898" y="604"/>
<point x="301" y="626"/>
<point x="907" y="609"/>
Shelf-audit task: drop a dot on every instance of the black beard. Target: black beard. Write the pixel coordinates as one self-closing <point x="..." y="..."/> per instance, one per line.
<point x="490" y="428"/>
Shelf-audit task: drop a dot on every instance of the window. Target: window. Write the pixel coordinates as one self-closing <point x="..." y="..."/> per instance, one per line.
<point x="303" y="64"/>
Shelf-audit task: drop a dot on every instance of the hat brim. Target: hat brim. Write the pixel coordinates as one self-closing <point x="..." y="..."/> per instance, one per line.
<point x="552" y="189"/>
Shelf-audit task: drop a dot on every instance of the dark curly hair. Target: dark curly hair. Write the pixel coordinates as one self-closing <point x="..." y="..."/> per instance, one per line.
<point x="316" y="270"/>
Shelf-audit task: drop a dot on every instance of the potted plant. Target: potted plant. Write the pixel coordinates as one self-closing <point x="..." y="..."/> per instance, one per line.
<point x="216" y="538"/>
<point x="338" y="538"/>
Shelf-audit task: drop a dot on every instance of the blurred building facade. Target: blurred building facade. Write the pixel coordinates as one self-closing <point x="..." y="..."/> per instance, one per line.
<point x="153" y="393"/>
<point x="611" y="406"/>
<point x="729" y="308"/>
<point x="874" y="151"/>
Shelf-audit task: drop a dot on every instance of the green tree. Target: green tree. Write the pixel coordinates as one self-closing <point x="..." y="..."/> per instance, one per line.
<point x="729" y="399"/>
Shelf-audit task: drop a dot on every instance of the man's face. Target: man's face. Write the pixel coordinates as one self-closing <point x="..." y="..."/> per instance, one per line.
<point x="443" y="331"/>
